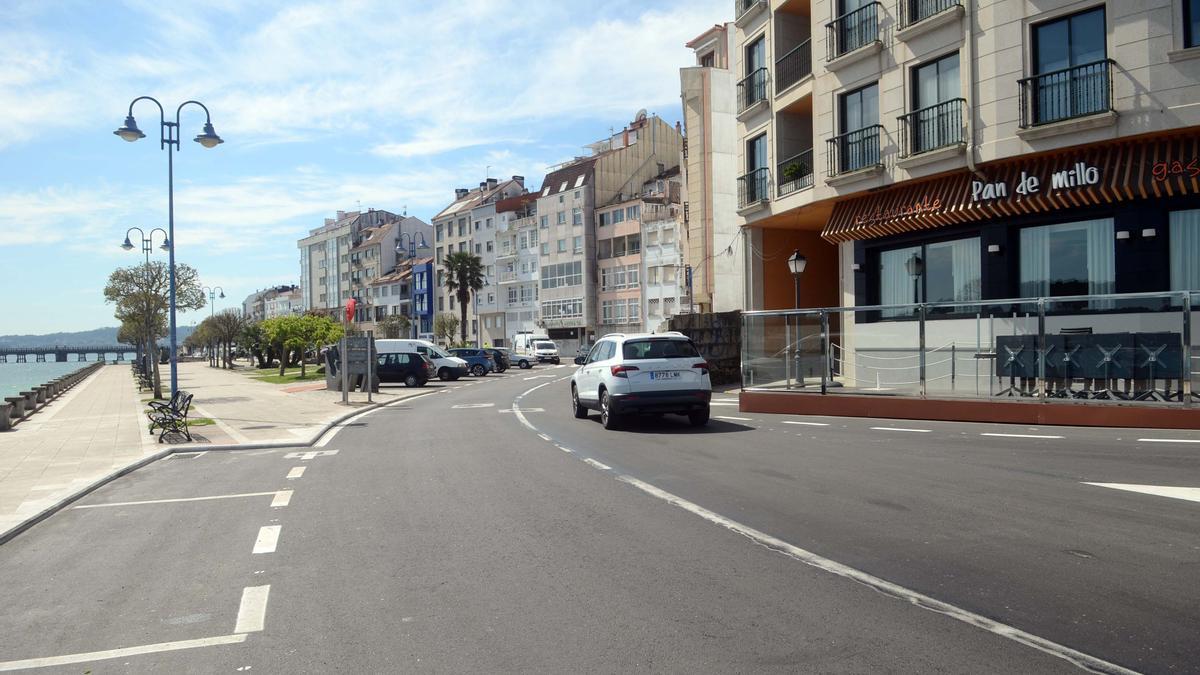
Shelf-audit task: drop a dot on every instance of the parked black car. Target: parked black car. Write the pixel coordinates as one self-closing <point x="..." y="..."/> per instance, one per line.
<point x="500" y="357"/>
<point x="413" y="369"/>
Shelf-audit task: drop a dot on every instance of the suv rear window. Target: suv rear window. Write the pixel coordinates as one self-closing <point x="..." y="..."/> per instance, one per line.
<point x="659" y="349"/>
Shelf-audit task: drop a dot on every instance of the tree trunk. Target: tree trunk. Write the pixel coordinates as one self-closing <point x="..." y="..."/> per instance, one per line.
<point x="283" y="359"/>
<point x="462" y="328"/>
<point x="302" y="371"/>
<point x="154" y="365"/>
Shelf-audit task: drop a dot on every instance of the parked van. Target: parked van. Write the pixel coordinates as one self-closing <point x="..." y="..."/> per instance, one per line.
<point x="523" y="341"/>
<point x="448" y="367"/>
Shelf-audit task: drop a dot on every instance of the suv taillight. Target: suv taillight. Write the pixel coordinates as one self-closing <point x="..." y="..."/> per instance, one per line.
<point x="702" y="366"/>
<point x="619" y="371"/>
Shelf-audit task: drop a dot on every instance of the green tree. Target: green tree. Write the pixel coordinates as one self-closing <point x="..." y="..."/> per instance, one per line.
<point x="464" y="276"/>
<point x="393" y="326"/>
<point x="444" y="326"/>
<point x="253" y="341"/>
<point x="314" y="331"/>
<point x="141" y="296"/>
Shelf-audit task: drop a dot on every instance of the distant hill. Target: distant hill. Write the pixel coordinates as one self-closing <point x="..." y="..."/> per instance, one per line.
<point x="96" y="336"/>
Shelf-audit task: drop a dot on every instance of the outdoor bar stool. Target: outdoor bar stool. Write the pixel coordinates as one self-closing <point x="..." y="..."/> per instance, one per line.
<point x="1157" y="356"/>
<point x="1058" y="380"/>
<point x="1107" y="360"/>
<point x="1016" y="359"/>
<point x="1070" y="360"/>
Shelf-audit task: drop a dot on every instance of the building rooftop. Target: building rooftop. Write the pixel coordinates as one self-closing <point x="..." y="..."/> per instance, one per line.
<point x="569" y="177"/>
<point x="468" y="199"/>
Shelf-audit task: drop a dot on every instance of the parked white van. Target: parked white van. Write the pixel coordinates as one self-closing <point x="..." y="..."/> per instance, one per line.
<point x="448" y="367"/>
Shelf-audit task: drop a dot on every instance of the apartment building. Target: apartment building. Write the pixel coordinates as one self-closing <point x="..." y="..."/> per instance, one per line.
<point x="325" y="258"/>
<point x="406" y="291"/>
<point x="459" y="227"/>
<point x="714" y="247"/>
<point x="668" y="279"/>
<point x="517" y="254"/>
<point x="268" y="303"/>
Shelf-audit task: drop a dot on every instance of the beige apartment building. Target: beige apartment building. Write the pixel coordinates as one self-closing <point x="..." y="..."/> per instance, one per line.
<point x="1007" y="145"/>
<point x="325" y="265"/>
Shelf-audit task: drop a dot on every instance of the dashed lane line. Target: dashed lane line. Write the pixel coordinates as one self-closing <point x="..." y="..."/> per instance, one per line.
<point x="273" y="493"/>
<point x="807" y="424"/>
<point x="734" y="419"/>
<point x="282" y="498"/>
<point x="914" y="431"/>
<point x="1191" y="494"/>
<point x="1168" y="440"/>
<point x="252" y="611"/>
<point x="998" y="435"/>
<point x="599" y="465"/>
<point x="296" y="472"/>
<point x="268" y="539"/>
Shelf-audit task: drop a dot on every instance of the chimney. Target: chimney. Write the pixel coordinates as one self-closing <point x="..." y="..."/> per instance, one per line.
<point x="492" y="182"/>
<point x="678" y="127"/>
<point x="459" y="193"/>
<point x="519" y="179"/>
<point x="341" y="214"/>
<point x="625" y="138"/>
<point x="330" y="221"/>
<point x="483" y="185"/>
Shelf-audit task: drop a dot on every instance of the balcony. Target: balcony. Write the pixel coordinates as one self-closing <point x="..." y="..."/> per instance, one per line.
<point x="935" y="127"/>
<point x="852" y="34"/>
<point x="917" y="16"/>
<point x="745" y="10"/>
<point x="855" y="153"/>
<point x="795" y="174"/>
<point x="754" y="189"/>
<point x="1068" y="94"/>
<point x="752" y="91"/>
<point x="793" y="67"/>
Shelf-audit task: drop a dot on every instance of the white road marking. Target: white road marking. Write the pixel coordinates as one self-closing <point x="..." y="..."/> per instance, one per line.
<point x="237" y="436"/>
<point x="731" y="403"/>
<point x="296" y="472"/>
<point x="544" y="437"/>
<point x="252" y="612"/>
<point x="598" y="465"/>
<point x="1168" y="440"/>
<point x="807" y="424"/>
<point x="915" y="431"/>
<point x="735" y="419"/>
<point x="539" y="377"/>
<point x="176" y="501"/>
<point x="1190" y="494"/>
<point x="524" y="410"/>
<point x="883" y="586"/>
<point x="467" y="406"/>
<point x="564" y="448"/>
<point x="282" y="498"/>
<point x="268" y="539"/>
<point x="84" y="657"/>
<point x="310" y="454"/>
<point x="330" y="433"/>
<point x="1020" y="436"/>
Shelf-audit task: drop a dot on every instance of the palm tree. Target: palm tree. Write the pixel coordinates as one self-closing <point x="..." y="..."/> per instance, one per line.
<point x="464" y="276"/>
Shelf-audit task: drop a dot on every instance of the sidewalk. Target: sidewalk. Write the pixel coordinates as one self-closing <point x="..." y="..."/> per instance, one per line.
<point x="99" y="427"/>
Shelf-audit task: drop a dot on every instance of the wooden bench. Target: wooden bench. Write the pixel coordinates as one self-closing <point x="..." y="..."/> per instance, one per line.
<point x="171" y="416"/>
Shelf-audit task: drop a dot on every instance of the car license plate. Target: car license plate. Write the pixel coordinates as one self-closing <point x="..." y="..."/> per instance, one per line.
<point x="664" y="374"/>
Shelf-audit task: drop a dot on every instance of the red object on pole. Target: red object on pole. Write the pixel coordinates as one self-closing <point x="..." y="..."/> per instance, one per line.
<point x="351" y="304"/>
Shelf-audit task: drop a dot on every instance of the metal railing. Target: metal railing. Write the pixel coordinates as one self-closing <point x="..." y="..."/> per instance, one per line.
<point x="754" y="187"/>
<point x="852" y="30"/>
<point x="793" y="66"/>
<point x="752" y="89"/>
<point x="741" y="7"/>
<point x="795" y="173"/>
<point x="1128" y="348"/>
<point x="855" y="150"/>
<point x="936" y="126"/>
<point x="916" y="11"/>
<point x="1065" y="94"/>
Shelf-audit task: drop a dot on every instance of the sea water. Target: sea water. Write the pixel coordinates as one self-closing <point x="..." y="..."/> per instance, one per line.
<point x="18" y="377"/>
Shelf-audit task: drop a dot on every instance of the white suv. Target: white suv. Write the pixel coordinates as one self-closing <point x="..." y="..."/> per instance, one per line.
<point x="643" y="373"/>
<point x="545" y="350"/>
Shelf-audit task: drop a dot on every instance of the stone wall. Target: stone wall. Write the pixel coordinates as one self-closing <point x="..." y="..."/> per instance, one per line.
<point x="718" y="336"/>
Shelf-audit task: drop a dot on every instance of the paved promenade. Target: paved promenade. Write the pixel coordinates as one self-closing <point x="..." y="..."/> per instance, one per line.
<point x="99" y="427"/>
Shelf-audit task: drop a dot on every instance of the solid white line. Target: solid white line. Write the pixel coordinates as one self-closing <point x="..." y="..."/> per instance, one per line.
<point x="598" y="465"/>
<point x="84" y="657"/>
<point x="296" y="472"/>
<point x="915" y="431"/>
<point x="886" y="587"/>
<point x="252" y="612"/>
<point x="1190" y="494"/>
<point x="268" y="539"/>
<point x="330" y="433"/>
<point x="175" y="501"/>
<point x="468" y="406"/>
<point x="1168" y="440"/>
<point x="282" y="498"/>
<point x="807" y="424"/>
<point x="736" y="419"/>
<point x="1019" y="436"/>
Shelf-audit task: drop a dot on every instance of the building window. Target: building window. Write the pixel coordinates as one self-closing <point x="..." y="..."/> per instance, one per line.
<point x="1068" y="259"/>
<point x="754" y="186"/>
<point x="562" y="245"/>
<point x="560" y="218"/>
<point x="491" y="246"/>
<point x="491" y="298"/>
<point x="438" y="232"/>
<point x="708" y="60"/>
<point x="936" y="120"/>
<point x="1071" y="71"/>
<point x="544" y="222"/>
<point x="478" y="249"/>
<point x="1185" y="250"/>
<point x="633" y="212"/>
<point x="858" y="145"/>
<point x="562" y="309"/>
<point x="950" y="273"/>
<point x="577" y="244"/>
<point x="546" y="249"/>
<point x="562" y="274"/>
<point x="477" y="225"/>
<point x="1191" y="23"/>
<point x="576" y="216"/>
<point x="488" y="223"/>
<point x="512" y="295"/>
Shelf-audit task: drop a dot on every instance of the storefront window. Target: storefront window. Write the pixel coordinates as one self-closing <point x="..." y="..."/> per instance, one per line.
<point x="948" y="271"/>
<point x="1068" y="259"/>
<point x="1185" y="250"/>
<point x="896" y="285"/>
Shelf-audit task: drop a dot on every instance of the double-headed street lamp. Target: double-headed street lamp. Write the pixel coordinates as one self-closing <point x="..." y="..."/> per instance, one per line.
<point x="409" y="253"/>
<point x="169" y="140"/>
<point x="147" y="246"/>
<point x="212" y="297"/>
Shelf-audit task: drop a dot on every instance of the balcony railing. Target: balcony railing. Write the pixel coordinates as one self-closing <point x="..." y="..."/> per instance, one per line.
<point x="752" y="89"/>
<point x="793" y="66"/>
<point x="932" y="127"/>
<point x="855" y="150"/>
<point x="916" y="11"/>
<point x="795" y="174"/>
<point x="1066" y="94"/>
<point x="852" y="30"/>
<point x="741" y="7"/>
<point x="754" y="187"/>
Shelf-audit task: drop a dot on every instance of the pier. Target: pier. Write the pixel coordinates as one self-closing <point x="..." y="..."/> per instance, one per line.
<point x="61" y="354"/>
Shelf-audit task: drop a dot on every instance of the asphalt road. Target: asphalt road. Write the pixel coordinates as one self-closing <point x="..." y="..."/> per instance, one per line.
<point x="449" y="534"/>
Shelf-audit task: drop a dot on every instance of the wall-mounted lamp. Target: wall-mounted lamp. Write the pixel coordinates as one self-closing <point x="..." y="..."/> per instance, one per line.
<point x="993" y="248"/>
<point x="1123" y="234"/>
<point x="1149" y="232"/>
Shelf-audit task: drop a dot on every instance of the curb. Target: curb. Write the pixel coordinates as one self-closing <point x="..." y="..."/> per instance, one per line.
<point x="45" y="513"/>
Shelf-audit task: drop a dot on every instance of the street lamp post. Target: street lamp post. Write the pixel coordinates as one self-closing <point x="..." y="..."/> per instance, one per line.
<point x="796" y="264"/>
<point x="915" y="267"/>
<point x="169" y="141"/>
<point x="212" y="307"/>
<point x="147" y="246"/>
<point x="409" y="253"/>
<point x="478" y="323"/>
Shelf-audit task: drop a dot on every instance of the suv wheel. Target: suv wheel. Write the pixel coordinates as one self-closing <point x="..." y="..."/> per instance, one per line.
<point x="523" y="365"/>
<point x="607" y="417"/>
<point x="412" y="381"/>
<point x="580" y="411"/>
<point x="478" y="370"/>
<point x="698" y="418"/>
<point x="444" y="374"/>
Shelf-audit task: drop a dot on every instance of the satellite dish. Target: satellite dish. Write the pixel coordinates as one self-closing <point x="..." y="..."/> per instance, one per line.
<point x="641" y="115"/>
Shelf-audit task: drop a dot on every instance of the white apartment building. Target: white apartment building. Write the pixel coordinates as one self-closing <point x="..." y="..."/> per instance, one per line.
<point x="325" y="267"/>
<point x="517" y="265"/>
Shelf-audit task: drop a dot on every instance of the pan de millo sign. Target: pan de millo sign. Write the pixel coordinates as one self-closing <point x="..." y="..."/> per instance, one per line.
<point x="1080" y="175"/>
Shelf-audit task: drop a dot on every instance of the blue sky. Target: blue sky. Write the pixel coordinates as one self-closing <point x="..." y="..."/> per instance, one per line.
<point x="323" y="106"/>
